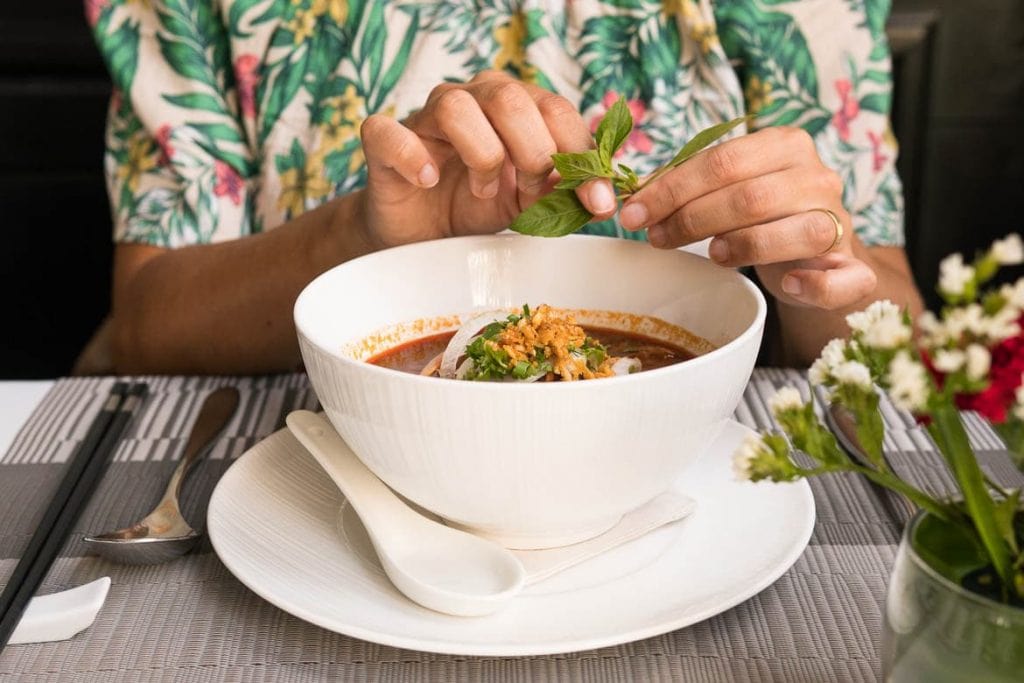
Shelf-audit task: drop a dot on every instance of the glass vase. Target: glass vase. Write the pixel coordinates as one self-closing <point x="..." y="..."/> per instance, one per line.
<point x="936" y="630"/>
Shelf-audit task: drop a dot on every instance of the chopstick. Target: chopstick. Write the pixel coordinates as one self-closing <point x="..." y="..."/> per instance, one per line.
<point x="83" y="474"/>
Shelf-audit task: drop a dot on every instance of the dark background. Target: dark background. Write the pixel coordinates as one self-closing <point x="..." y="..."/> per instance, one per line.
<point x="958" y="112"/>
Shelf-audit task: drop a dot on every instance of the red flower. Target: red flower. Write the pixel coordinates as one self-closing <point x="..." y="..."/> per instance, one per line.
<point x="1004" y="378"/>
<point x="246" y="78"/>
<point x="93" y="9"/>
<point x="163" y="138"/>
<point x="228" y="182"/>
<point x="637" y="139"/>
<point x="878" y="159"/>
<point x="848" y="109"/>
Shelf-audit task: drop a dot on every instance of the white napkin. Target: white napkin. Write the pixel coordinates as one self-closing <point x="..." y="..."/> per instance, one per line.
<point x="58" y="616"/>
<point x="543" y="564"/>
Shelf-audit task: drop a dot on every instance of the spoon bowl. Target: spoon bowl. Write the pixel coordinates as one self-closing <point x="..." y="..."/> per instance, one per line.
<point x="164" y="534"/>
<point x="434" y="565"/>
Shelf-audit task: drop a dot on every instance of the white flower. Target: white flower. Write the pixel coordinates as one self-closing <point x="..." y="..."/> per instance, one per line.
<point x="746" y="454"/>
<point x="881" y="325"/>
<point x="853" y="373"/>
<point x="949" y="360"/>
<point x="979" y="360"/>
<point x="1014" y="294"/>
<point x="786" y="398"/>
<point x="954" y="276"/>
<point x="970" y="318"/>
<point x="933" y="330"/>
<point x="1008" y="251"/>
<point x="832" y="355"/>
<point x="908" y="383"/>
<point x="1002" y="325"/>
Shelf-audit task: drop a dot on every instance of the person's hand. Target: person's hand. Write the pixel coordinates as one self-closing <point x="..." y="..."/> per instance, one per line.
<point x="470" y="160"/>
<point x="761" y="197"/>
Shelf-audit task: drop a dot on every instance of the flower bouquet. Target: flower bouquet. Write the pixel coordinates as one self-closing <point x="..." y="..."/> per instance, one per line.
<point x="955" y="608"/>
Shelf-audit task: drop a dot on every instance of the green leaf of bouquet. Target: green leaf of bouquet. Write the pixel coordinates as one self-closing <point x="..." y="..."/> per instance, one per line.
<point x="1005" y="513"/>
<point x="557" y="214"/>
<point x="581" y="166"/>
<point x="950" y="549"/>
<point x="705" y="138"/>
<point x="613" y="130"/>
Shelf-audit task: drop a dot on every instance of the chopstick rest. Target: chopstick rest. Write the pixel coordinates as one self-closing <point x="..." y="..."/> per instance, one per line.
<point x="60" y="616"/>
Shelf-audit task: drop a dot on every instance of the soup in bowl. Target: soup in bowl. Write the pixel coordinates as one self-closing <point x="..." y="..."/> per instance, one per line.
<point x="512" y="453"/>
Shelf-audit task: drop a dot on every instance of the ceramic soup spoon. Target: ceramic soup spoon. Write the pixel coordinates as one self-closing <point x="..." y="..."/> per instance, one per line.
<point x="439" y="567"/>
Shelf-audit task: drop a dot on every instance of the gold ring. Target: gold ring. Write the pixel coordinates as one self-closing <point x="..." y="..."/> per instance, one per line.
<point x="839" y="230"/>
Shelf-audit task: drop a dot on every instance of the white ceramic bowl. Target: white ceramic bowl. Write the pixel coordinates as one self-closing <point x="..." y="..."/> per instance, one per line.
<point x="530" y="465"/>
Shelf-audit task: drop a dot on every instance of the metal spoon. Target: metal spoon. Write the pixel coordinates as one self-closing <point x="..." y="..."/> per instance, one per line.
<point x="439" y="567"/>
<point x="164" y="534"/>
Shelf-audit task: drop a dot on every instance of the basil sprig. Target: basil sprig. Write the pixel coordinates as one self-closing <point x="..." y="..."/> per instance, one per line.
<point x="560" y="212"/>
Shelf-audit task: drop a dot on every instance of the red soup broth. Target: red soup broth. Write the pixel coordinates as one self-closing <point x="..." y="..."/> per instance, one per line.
<point x="413" y="356"/>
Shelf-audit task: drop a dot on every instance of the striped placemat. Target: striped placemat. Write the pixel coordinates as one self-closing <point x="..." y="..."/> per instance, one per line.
<point x="192" y="620"/>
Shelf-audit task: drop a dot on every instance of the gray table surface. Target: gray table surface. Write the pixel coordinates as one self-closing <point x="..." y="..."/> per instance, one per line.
<point x="191" y="620"/>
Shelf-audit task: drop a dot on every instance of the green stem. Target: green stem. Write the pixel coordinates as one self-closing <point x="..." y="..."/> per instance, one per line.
<point x="916" y="496"/>
<point x="948" y="431"/>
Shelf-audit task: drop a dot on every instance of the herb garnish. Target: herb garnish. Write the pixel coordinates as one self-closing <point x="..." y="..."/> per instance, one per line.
<point x="560" y="212"/>
<point x="490" y="361"/>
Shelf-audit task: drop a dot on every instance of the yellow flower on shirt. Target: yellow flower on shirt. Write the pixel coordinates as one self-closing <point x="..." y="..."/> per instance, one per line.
<point x="511" y="38"/>
<point x="301" y="184"/>
<point x="758" y="94"/>
<point x="302" y="25"/>
<point x="337" y="9"/>
<point x="142" y="157"/>
<point x="684" y="8"/>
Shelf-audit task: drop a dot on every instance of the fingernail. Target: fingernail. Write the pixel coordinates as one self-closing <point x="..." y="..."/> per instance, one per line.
<point x="490" y="189"/>
<point x="718" y="250"/>
<point x="602" y="199"/>
<point x="657" y="235"/>
<point x="633" y="216"/>
<point x="791" y="285"/>
<point x="428" y="175"/>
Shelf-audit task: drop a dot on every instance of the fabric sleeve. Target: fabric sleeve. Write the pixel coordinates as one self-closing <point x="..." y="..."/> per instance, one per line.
<point x="824" y="65"/>
<point x="178" y="164"/>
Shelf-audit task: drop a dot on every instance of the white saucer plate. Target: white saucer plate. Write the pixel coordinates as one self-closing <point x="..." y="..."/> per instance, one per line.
<point x="273" y="521"/>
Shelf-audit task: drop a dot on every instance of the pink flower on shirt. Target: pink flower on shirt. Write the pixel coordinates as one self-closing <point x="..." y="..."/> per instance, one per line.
<point x="878" y="159"/>
<point x="848" y="109"/>
<point x="637" y="140"/>
<point x="246" y="77"/>
<point x="93" y="9"/>
<point x="228" y="182"/>
<point x="163" y="138"/>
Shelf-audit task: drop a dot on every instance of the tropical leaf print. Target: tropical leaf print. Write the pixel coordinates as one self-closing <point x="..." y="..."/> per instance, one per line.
<point x="610" y="57"/>
<point x="120" y="47"/>
<point x="280" y="88"/>
<point x="780" y="76"/>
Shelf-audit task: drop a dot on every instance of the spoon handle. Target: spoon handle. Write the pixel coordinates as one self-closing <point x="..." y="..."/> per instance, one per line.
<point x="217" y="409"/>
<point x="365" y="492"/>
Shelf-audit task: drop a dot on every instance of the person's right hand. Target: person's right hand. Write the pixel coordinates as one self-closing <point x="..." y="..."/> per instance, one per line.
<point x="470" y="160"/>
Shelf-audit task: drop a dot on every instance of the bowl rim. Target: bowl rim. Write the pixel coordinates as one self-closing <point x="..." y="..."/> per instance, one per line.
<point x="754" y="328"/>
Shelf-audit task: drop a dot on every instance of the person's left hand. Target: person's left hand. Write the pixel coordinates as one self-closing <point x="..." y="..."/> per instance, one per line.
<point x="760" y="197"/>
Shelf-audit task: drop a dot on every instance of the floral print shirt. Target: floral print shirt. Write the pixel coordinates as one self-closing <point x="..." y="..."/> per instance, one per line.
<point x="230" y="117"/>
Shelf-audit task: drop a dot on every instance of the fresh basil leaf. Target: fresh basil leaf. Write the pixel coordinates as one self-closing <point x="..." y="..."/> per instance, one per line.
<point x="558" y="213"/>
<point x="705" y="138"/>
<point x="612" y="131"/>
<point x="579" y="165"/>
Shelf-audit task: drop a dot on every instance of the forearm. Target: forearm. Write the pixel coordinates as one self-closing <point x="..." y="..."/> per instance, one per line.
<point x="227" y="307"/>
<point x="805" y="330"/>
